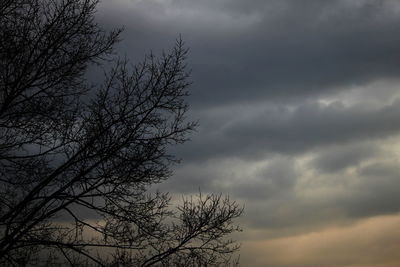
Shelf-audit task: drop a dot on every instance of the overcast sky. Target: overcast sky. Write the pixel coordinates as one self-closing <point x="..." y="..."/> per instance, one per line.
<point x="299" y="111"/>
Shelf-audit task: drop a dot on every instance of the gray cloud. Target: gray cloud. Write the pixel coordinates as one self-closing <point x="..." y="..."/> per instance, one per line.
<point x="291" y="130"/>
<point x="276" y="177"/>
<point x="269" y="49"/>
<point x="334" y="159"/>
<point x="297" y="119"/>
<point x="317" y="201"/>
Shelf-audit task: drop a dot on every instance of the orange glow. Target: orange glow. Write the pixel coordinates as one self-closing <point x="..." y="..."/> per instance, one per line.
<point x="372" y="242"/>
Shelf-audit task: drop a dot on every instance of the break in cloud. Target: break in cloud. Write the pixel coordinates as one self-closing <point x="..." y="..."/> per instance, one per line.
<point x="299" y="112"/>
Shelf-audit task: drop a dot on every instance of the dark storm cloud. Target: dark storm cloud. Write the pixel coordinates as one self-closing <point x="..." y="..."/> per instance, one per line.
<point x="334" y="159"/>
<point x="316" y="201"/>
<point x="286" y="196"/>
<point x="301" y="214"/>
<point x="301" y="53"/>
<point x="291" y="130"/>
<point x="270" y="49"/>
<point x="266" y="180"/>
<point x="276" y="177"/>
<point x="376" y="192"/>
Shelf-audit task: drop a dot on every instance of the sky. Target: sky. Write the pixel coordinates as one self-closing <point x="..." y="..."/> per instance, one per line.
<point x="299" y="119"/>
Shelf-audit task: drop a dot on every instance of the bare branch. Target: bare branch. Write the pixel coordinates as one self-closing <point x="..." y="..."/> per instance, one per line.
<point x="69" y="150"/>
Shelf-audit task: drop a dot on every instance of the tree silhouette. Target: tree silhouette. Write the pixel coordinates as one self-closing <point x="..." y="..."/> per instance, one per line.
<point x="77" y="161"/>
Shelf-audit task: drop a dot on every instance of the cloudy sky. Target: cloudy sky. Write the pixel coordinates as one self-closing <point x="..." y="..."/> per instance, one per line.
<point x="299" y="111"/>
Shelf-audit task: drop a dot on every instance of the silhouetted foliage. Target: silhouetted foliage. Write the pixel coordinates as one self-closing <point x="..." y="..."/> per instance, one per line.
<point x="76" y="161"/>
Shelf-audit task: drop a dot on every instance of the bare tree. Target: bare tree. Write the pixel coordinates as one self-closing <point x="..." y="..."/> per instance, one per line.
<point x="68" y="149"/>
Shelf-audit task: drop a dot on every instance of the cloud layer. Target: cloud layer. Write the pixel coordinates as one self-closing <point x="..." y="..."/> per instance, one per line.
<point x="299" y="113"/>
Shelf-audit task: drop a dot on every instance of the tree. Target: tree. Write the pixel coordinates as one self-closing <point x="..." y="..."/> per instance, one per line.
<point x="69" y="149"/>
